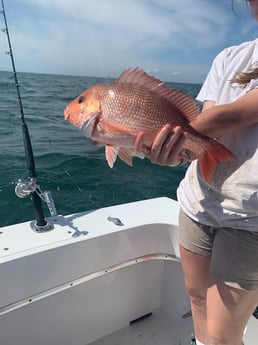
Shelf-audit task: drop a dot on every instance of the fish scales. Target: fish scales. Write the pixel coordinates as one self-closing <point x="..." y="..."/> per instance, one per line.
<point x="136" y="107"/>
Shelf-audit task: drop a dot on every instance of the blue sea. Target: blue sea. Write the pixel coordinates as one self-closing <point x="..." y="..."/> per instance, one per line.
<point x="66" y="163"/>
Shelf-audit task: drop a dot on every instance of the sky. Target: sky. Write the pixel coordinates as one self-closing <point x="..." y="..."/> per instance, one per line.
<point x="174" y="40"/>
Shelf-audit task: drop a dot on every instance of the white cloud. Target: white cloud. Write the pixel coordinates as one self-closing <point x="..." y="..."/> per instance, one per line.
<point x="105" y="36"/>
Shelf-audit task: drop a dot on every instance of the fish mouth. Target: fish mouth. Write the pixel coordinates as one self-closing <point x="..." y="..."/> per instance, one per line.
<point x="71" y="116"/>
<point x="79" y="120"/>
<point x="66" y="113"/>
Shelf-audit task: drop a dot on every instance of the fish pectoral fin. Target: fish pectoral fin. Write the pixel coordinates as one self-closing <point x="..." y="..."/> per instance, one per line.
<point x="126" y="156"/>
<point x="111" y="154"/>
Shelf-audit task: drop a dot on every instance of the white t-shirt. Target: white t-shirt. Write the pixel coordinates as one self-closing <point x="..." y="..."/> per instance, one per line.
<point x="231" y="199"/>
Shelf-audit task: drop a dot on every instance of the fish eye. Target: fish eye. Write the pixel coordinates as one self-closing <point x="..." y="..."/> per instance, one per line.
<point x="80" y="99"/>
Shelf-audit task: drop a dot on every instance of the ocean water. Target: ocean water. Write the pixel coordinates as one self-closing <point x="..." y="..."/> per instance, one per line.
<point x="66" y="163"/>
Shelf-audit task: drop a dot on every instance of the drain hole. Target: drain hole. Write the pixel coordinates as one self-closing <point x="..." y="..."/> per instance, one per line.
<point x="139" y="319"/>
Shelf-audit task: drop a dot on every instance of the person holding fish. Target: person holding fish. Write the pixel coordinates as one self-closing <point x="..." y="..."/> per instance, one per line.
<point x="218" y="232"/>
<point x="218" y="226"/>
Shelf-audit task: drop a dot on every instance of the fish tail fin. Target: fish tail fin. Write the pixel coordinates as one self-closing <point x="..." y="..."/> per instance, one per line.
<point x="211" y="157"/>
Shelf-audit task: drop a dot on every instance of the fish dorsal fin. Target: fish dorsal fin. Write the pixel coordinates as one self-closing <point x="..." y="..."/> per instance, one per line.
<point x="186" y="104"/>
<point x="139" y="77"/>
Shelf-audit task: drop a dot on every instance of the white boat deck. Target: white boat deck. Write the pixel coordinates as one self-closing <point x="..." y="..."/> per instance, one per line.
<point x="87" y="281"/>
<point x="157" y="329"/>
<point x="160" y="329"/>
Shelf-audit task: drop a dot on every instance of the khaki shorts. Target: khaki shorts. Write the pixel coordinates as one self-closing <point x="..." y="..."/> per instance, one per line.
<point x="233" y="252"/>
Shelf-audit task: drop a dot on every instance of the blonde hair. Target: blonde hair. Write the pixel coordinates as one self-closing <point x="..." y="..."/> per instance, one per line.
<point x="243" y="78"/>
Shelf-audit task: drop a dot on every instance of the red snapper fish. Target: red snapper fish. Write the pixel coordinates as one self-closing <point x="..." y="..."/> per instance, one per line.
<point x="113" y="113"/>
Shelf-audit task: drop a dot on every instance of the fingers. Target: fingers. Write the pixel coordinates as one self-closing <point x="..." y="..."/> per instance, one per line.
<point x="167" y="146"/>
<point x="139" y="144"/>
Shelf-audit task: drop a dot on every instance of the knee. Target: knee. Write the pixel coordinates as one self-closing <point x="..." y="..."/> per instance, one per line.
<point x="197" y="295"/>
<point x="198" y="300"/>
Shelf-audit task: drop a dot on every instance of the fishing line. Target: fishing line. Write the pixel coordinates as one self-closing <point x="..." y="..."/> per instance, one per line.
<point x="106" y="212"/>
<point x="25" y="188"/>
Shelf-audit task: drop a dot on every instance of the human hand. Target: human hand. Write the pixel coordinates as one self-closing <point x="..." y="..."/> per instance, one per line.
<point x="167" y="147"/>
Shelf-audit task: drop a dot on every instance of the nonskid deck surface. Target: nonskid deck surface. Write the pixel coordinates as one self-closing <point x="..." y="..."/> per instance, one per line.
<point x="156" y="329"/>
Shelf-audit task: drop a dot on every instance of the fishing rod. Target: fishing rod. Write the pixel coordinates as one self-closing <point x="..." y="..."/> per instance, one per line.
<point x="24" y="188"/>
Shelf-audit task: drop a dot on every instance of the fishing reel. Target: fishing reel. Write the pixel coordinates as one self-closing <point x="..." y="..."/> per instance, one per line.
<point x="25" y="188"/>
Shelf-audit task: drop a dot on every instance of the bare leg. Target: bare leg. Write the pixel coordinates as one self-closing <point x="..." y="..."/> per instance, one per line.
<point x="197" y="278"/>
<point x="228" y="310"/>
<point x="220" y="312"/>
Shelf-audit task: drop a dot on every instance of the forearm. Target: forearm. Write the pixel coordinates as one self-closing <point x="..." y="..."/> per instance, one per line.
<point x="216" y="121"/>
